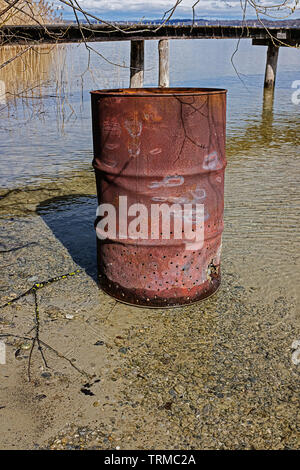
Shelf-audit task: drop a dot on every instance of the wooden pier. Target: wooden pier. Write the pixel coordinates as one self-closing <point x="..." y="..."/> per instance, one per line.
<point x="273" y="37"/>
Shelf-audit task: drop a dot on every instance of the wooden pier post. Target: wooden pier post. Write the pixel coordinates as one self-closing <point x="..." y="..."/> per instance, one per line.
<point x="271" y="66"/>
<point x="136" y="63"/>
<point x="266" y="127"/>
<point x="164" y="63"/>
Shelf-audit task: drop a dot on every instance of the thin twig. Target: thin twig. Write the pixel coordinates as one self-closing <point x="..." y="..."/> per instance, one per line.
<point x="15" y="57"/>
<point x="41" y="285"/>
<point x="11" y="5"/>
<point x="36" y="338"/>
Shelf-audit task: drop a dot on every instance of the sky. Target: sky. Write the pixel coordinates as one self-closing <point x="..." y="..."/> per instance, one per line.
<point x="154" y="9"/>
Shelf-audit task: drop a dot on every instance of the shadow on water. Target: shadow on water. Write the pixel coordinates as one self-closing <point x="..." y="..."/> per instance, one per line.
<point x="71" y="219"/>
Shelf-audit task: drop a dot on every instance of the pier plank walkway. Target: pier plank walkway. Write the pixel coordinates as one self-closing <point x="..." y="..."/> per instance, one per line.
<point x="66" y="33"/>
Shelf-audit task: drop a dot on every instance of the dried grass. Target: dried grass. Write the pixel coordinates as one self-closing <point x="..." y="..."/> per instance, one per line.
<point x="33" y="12"/>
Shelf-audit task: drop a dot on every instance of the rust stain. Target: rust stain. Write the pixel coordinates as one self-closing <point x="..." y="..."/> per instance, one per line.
<point x="178" y="136"/>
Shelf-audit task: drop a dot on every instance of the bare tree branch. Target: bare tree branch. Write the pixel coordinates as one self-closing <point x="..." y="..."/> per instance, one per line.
<point x="15" y="57"/>
<point x="11" y="5"/>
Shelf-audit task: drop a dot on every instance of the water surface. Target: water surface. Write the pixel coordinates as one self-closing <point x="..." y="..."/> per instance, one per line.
<point x="45" y="137"/>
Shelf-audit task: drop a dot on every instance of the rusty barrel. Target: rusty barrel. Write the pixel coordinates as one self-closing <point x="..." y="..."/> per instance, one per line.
<point x="158" y="151"/>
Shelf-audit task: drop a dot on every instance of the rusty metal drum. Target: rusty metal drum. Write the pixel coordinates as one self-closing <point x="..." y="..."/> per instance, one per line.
<point x="160" y="147"/>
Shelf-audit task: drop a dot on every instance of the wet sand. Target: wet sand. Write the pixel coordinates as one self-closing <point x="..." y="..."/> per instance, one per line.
<point x="215" y="375"/>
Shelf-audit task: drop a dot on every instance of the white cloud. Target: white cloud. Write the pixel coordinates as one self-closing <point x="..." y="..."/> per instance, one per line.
<point x="155" y="8"/>
<point x="134" y="5"/>
<point x="140" y="5"/>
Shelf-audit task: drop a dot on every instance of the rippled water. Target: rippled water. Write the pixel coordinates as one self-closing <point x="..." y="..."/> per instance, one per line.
<point x="46" y="137"/>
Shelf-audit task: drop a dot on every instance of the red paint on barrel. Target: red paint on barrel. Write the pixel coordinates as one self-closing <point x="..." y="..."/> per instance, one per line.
<point x="161" y="146"/>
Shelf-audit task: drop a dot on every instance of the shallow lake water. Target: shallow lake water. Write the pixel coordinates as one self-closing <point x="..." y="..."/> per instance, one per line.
<point x="219" y="374"/>
<point x="45" y="138"/>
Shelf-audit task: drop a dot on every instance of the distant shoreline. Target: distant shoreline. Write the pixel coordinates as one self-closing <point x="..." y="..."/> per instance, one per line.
<point x="295" y="23"/>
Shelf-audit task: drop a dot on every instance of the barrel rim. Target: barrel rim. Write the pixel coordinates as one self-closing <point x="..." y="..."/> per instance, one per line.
<point x="158" y="91"/>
